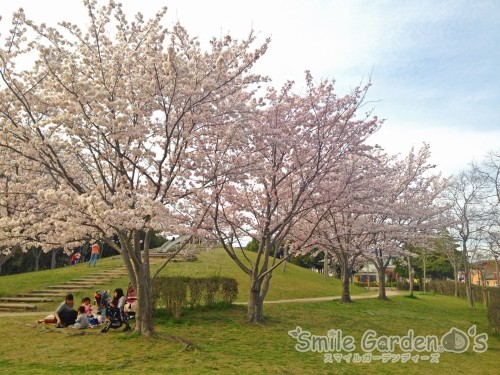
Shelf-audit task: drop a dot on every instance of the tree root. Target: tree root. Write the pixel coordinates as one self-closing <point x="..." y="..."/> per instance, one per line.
<point x="187" y="345"/>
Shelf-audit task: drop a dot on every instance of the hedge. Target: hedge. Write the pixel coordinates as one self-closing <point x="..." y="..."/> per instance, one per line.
<point x="492" y="298"/>
<point x="176" y="293"/>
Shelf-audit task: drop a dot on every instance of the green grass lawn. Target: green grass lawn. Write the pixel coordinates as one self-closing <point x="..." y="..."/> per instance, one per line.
<point x="226" y="344"/>
<point x="296" y="282"/>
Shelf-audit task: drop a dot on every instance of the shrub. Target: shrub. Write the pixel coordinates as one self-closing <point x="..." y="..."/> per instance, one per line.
<point x="494" y="308"/>
<point x="364" y="284"/>
<point x="493" y="298"/>
<point x="229" y="289"/>
<point x="212" y="285"/>
<point x="196" y="287"/>
<point x="174" y="293"/>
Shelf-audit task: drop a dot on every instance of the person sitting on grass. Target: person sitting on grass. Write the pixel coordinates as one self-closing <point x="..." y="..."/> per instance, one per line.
<point x="88" y="307"/>
<point x="65" y="314"/>
<point x="82" y="321"/>
<point x="119" y="299"/>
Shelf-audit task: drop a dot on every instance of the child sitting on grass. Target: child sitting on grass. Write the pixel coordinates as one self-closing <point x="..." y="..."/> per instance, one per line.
<point x="82" y="321"/>
<point x="88" y="307"/>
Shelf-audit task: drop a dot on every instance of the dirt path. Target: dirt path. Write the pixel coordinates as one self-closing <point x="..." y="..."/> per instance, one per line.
<point x="389" y="293"/>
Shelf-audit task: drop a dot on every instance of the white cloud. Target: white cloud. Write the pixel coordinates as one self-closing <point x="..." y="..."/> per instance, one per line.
<point x="435" y="64"/>
<point x="451" y="149"/>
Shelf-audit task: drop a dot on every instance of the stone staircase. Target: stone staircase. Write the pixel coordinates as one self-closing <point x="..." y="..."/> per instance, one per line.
<point x="171" y="247"/>
<point x="55" y="293"/>
<point x="26" y="301"/>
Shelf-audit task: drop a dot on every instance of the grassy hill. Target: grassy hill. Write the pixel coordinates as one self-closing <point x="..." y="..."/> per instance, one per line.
<point x="226" y="344"/>
<point x="296" y="282"/>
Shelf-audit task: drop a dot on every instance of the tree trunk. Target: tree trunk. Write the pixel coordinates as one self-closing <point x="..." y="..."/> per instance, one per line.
<point x="455" y="275"/>
<point x="381" y="283"/>
<point x="425" y="277"/>
<point x="137" y="265"/>
<point x="468" y="286"/>
<point x="497" y="276"/>
<point x="285" y="254"/>
<point x="325" y="265"/>
<point x="255" y="309"/>
<point x="345" y="274"/>
<point x="144" y="316"/>
<point x="36" y="258"/>
<point x="410" y="277"/>
<point x="53" y="263"/>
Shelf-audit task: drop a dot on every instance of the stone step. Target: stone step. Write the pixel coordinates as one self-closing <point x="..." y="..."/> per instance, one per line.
<point x="70" y="286"/>
<point x="26" y="299"/>
<point x="178" y="258"/>
<point x="111" y="271"/>
<point x="50" y="291"/>
<point x="62" y="292"/>
<point x="83" y="283"/>
<point x="163" y="255"/>
<point x="96" y="278"/>
<point x="42" y="295"/>
<point x="17" y="306"/>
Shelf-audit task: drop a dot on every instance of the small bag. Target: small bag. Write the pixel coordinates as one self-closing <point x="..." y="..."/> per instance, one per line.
<point x="49" y="319"/>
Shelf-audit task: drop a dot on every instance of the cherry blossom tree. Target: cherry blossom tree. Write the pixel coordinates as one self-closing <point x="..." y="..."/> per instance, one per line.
<point x="117" y="117"/>
<point x="20" y="218"/>
<point x="286" y="152"/>
<point x="343" y="223"/>
<point x="410" y="210"/>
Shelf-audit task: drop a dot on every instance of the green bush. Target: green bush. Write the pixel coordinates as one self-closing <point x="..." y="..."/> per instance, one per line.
<point x="196" y="287"/>
<point x="494" y="308"/>
<point x="447" y="288"/>
<point x="364" y="284"/>
<point x="212" y="285"/>
<point x="229" y="289"/>
<point x="176" y="293"/>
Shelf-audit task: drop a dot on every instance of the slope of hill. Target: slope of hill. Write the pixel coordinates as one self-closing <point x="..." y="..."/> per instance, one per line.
<point x="296" y="282"/>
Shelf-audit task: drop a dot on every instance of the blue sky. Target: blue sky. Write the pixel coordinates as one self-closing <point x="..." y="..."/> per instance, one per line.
<point x="434" y="65"/>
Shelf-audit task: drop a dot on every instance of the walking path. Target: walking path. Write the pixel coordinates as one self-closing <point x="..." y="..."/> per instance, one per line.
<point x="390" y="293"/>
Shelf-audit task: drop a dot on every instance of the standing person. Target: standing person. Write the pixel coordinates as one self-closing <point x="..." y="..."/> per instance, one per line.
<point x="78" y="256"/>
<point x="94" y="253"/>
<point x="281" y="252"/>
<point x="65" y="315"/>
<point x="73" y="260"/>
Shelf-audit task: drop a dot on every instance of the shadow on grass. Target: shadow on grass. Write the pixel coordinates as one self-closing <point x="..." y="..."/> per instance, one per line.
<point x="411" y="296"/>
<point x="203" y="314"/>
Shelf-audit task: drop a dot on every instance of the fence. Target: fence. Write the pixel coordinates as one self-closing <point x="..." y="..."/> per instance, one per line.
<point x="489" y="296"/>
